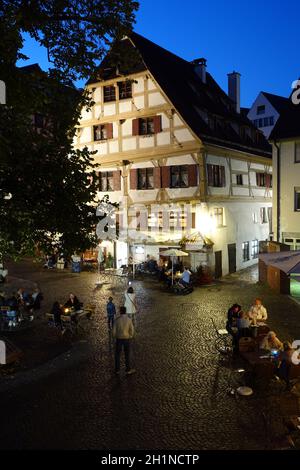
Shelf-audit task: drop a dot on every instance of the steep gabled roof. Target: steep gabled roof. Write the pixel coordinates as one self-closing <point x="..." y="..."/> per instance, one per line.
<point x="278" y="102"/>
<point x="288" y="124"/>
<point x="192" y="98"/>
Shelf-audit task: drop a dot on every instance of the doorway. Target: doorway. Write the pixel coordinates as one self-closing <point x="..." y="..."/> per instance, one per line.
<point x="232" y="257"/>
<point x="218" y="264"/>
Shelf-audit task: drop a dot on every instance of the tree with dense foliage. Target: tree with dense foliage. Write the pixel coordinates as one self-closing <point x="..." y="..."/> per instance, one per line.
<point x="45" y="191"/>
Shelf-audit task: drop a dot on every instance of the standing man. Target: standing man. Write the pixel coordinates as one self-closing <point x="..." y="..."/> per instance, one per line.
<point x="111" y="312"/>
<point x="123" y="332"/>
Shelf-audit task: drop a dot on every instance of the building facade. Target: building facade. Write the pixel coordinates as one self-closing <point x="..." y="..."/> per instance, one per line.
<point x="173" y="148"/>
<point x="285" y="139"/>
<point x="265" y="111"/>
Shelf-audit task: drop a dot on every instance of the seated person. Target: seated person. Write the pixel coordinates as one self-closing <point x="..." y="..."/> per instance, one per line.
<point x="73" y="303"/>
<point x="152" y="265"/>
<point x="57" y="313"/>
<point x="185" y="277"/>
<point x="271" y="342"/>
<point x="243" y="324"/>
<point x="285" y="362"/>
<point x="232" y="316"/>
<point x="258" y="312"/>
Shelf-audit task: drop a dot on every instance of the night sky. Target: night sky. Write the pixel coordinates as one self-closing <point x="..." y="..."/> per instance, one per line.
<point x="259" y="39"/>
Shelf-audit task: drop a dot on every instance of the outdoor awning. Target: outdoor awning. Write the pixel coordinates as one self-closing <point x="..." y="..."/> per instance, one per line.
<point x="286" y="261"/>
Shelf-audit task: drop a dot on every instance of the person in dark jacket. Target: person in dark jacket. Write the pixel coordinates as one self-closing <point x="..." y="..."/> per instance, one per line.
<point x="57" y="313"/>
<point x="37" y="297"/>
<point x="111" y="312"/>
<point x="73" y="303"/>
<point x="231" y="324"/>
<point x="232" y="316"/>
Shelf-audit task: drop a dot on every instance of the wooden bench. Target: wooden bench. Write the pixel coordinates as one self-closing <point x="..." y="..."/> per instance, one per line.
<point x="9" y="352"/>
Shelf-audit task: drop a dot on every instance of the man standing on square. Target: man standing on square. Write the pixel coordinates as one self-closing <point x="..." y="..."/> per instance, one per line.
<point x="123" y="332"/>
<point x="111" y="312"/>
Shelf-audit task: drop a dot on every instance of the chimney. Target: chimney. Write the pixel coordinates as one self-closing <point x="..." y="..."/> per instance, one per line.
<point x="200" y="68"/>
<point x="234" y="89"/>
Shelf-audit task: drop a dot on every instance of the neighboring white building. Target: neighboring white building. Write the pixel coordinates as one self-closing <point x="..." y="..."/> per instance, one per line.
<point x="167" y="138"/>
<point x="285" y="139"/>
<point x="265" y="111"/>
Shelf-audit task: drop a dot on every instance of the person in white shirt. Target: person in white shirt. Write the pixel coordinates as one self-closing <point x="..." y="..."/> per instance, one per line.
<point x="185" y="277"/>
<point x="130" y="303"/>
<point x="271" y="342"/>
<point x="123" y="331"/>
<point x="258" y="312"/>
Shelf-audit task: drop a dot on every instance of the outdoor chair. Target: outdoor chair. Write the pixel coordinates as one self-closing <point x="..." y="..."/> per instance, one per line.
<point x="223" y="341"/>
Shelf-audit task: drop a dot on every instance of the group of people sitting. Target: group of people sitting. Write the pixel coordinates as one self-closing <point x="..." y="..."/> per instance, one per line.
<point x="183" y="281"/>
<point x="21" y="305"/>
<point x="239" y="322"/>
<point x="72" y="306"/>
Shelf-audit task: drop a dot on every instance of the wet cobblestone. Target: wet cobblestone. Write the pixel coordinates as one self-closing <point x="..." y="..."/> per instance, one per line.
<point x="178" y="399"/>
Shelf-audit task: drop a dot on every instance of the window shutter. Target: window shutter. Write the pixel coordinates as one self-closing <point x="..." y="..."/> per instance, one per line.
<point x="157" y="124"/>
<point x="165" y="176"/>
<point x="192" y="172"/>
<point x="157" y="177"/>
<point x="133" y="179"/>
<point x="210" y="176"/>
<point x="109" y="130"/>
<point x="117" y="180"/>
<point x="222" y="175"/>
<point x="268" y="180"/>
<point x="135" y="127"/>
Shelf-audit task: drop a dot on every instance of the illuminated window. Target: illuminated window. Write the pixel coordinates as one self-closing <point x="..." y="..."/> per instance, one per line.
<point x="219" y="216"/>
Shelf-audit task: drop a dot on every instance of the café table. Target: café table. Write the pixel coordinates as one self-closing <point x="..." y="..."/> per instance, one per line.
<point x="262" y="363"/>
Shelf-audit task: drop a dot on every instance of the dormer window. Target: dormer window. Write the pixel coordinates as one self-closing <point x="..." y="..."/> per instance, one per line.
<point x="261" y="109"/>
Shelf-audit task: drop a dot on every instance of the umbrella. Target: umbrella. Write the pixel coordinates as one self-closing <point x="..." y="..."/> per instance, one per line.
<point x="173" y="252"/>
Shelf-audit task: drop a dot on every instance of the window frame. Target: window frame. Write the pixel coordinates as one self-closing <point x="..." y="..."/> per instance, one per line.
<point x="149" y="123"/>
<point x="263" y="215"/>
<point x="127" y="92"/>
<point x="297" y="150"/>
<point x="219" y="214"/>
<point x="181" y="170"/>
<point x="217" y="173"/>
<point x="261" y="176"/>
<point x="148" y="174"/>
<point x="296" y="191"/>
<point x="239" y="175"/>
<point x="246" y="251"/>
<point x="103" y="129"/>
<point x="254" y="248"/>
<point x="109" y="97"/>
<point x="108" y="176"/>
<point x="261" y="109"/>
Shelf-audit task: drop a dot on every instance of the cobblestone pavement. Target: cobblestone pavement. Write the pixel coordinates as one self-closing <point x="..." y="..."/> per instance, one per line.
<point x="178" y="399"/>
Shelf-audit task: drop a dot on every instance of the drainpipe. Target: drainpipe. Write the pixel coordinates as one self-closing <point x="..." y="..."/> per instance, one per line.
<point x="278" y="191"/>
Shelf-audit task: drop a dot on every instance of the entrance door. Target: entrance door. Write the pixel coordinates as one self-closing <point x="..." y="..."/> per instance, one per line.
<point x="218" y="264"/>
<point x="232" y="257"/>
